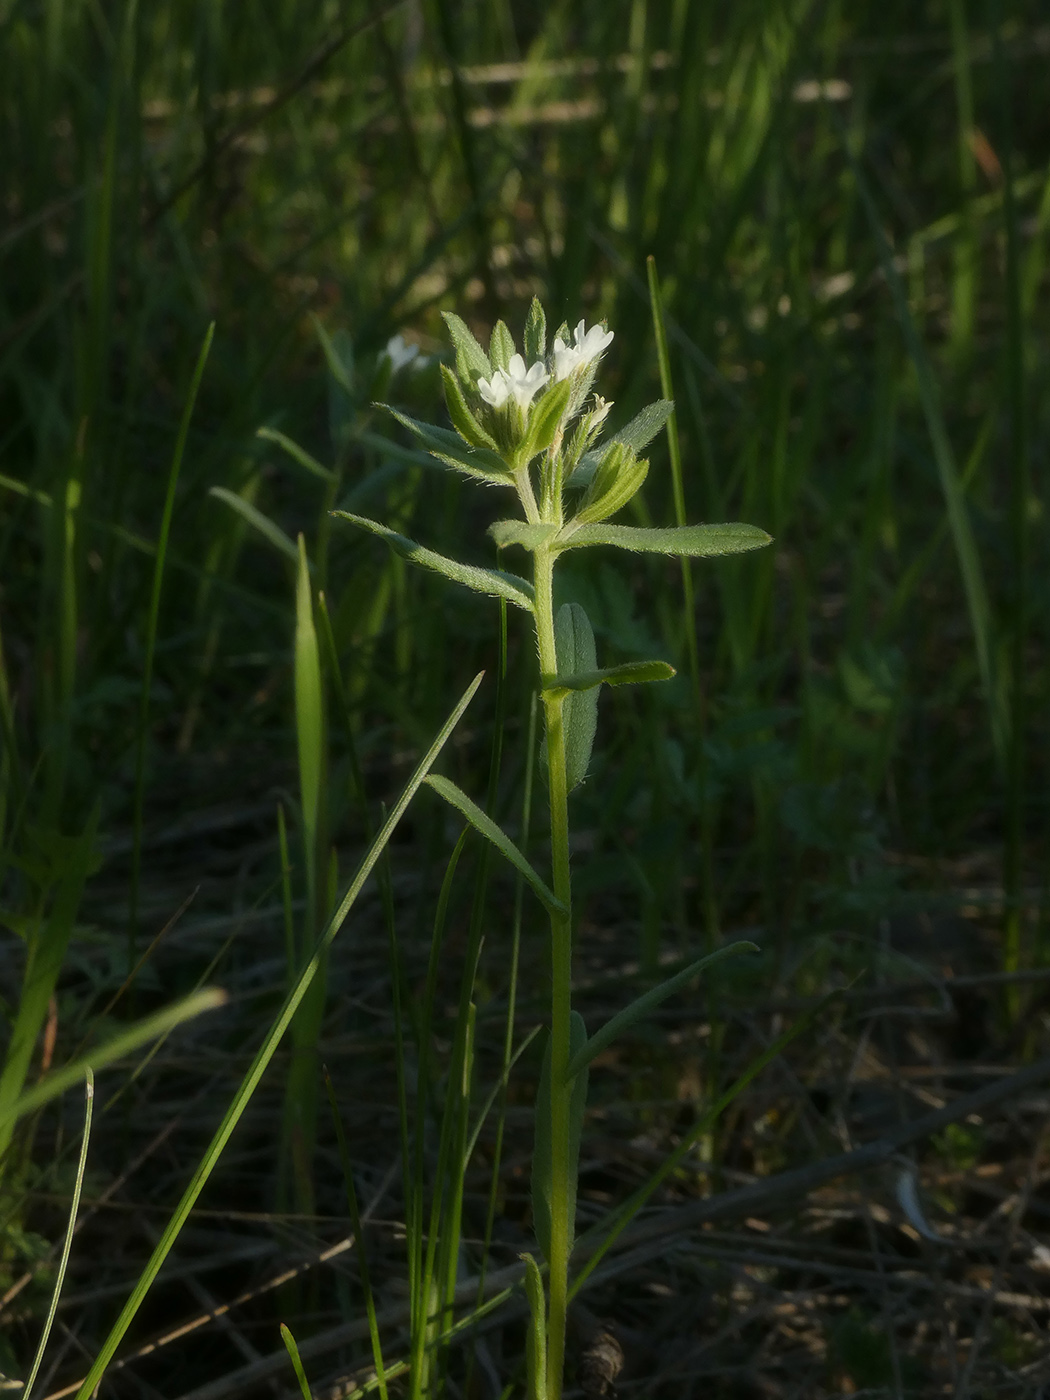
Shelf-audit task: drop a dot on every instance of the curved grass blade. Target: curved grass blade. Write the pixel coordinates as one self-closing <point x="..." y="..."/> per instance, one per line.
<point x="966" y="551"/>
<point x="297" y="1364"/>
<point x="267" y="1050"/>
<point x="63" y="1263"/>
<point x="493" y="582"/>
<point x="642" y="1005"/>
<point x="610" y="1230"/>
<point x="150" y="1028"/>
<point x="270" y="532"/>
<point x="297" y="453"/>
<point x="456" y="797"/>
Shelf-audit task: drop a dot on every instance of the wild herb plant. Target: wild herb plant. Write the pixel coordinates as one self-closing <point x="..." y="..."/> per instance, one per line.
<point x="530" y="423"/>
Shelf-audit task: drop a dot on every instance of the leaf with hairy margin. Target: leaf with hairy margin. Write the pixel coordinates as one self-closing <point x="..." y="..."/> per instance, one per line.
<point x="493" y="582"/>
<point x="450" y="448"/>
<point x="496" y="836"/>
<point x="689" y="541"/>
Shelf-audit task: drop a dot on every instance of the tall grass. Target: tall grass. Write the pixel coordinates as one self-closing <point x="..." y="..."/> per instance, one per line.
<point x="848" y="211"/>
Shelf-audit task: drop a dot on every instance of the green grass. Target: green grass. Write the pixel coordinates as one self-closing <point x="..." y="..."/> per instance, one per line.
<point x="854" y="319"/>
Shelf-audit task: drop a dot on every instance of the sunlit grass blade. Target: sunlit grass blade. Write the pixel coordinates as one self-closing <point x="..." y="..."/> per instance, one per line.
<point x="63" y="1263"/>
<point x="150" y="646"/>
<point x="355" y="1225"/>
<point x="966" y="551"/>
<point x="270" y="531"/>
<point x="609" y="1231"/>
<point x="648" y="1001"/>
<point x="297" y="1364"/>
<point x="118" y="1047"/>
<point x="266" y="1051"/>
<point x="47" y="944"/>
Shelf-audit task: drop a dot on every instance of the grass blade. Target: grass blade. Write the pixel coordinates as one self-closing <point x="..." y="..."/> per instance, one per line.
<point x="266" y="1052"/>
<point x="63" y="1263"/>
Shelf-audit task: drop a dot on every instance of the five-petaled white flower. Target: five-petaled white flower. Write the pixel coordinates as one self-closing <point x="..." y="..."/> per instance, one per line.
<point x="589" y="345"/>
<point x="400" y="352"/>
<point x="515" y="382"/>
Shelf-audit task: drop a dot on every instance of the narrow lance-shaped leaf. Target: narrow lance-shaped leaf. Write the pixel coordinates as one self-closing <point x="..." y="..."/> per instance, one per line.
<point x="628" y="673"/>
<point x="636" y="434"/>
<point x="493" y="582"/>
<point x="297" y="453"/>
<point x="118" y="1047"/>
<point x="692" y="541"/>
<point x="338" y="358"/>
<point x="449" y="447"/>
<point x="264" y="1055"/>
<point x="647" y="1002"/>
<point x="471" y="360"/>
<point x="463" y="419"/>
<point x="535" y="332"/>
<point x="536" y="1343"/>
<point x="644" y="426"/>
<point x="541" y="1157"/>
<point x="456" y="797"/>
<point x="574" y="641"/>
<point x="619" y="477"/>
<point x="544" y="420"/>
<point x="270" y="532"/>
<point x="309" y="709"/>
<point x="501" y="346"/>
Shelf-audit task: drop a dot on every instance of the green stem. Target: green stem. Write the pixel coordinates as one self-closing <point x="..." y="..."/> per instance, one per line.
<point x="561" y="982"/>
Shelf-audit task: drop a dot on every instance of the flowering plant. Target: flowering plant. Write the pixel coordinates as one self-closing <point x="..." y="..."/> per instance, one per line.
<point x="527" y="421"/>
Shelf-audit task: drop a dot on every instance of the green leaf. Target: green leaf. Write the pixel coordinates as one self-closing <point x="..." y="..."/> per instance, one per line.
<point x="340" y="363"/>
<point x="574" y="642"/>
<point x="118" y="1047"/>
<point x="629" y="673"/>
<point x="255" y="518"/>
<point x="693" y="541"/>
<point x="541" y="1157"/>
<point x="471" y="360"/>
<point x="535" y="333"/>
<point x="501" y="346"/>
<point x="297" y="453"/>
<point x="493" y="582"/>
<point x="263" y="1056"/>
<point x="647" y="1002"/>
<point x="636" y="434"/>
<point x="309" y="710"/>
<point x="449" y="447"/>
<point x="529" y="536"/>
<point x="544" y="420"/>
<point x="536" y="1345"/>
<point x="463" y="419"/>
<point x="456" y="797"/>
<point x="619" y="476"/>
<point x="297" y="1364"/>
<point x="641" y="430"/>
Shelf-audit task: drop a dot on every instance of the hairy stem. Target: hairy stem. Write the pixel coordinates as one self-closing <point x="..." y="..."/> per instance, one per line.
<point x="561" y="981"/>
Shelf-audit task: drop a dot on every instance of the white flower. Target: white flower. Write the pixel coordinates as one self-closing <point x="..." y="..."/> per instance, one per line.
<point x="400" y="352"/>
<point x="589" y="345"/>
<point x="515" y="381"/>
<point x="599" y="412"/>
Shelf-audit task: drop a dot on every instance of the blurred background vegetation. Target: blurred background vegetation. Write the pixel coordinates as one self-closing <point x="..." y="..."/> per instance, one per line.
<point x="849" y="210"/>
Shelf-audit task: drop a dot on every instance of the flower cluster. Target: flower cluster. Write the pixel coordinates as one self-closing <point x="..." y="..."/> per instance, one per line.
<point x="514" y="382"/>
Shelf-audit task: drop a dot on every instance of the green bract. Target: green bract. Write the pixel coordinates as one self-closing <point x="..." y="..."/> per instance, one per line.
<point x="526" y="419"/>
